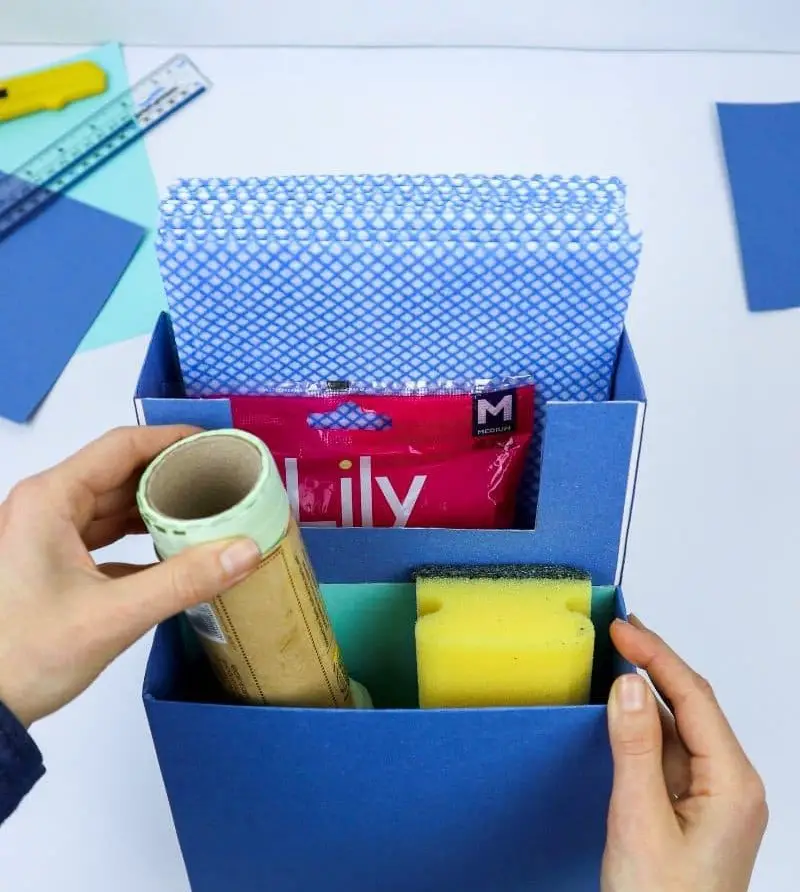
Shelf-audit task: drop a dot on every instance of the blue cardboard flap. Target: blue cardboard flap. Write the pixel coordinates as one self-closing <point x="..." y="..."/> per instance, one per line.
<point x="477" y="800"/>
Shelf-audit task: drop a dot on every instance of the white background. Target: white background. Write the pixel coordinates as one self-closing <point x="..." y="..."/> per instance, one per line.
<point x="712" y="558"/>
<point x="617" y="24"/>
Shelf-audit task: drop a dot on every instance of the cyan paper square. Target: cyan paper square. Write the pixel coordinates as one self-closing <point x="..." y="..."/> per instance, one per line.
<point x="124" y="186"/>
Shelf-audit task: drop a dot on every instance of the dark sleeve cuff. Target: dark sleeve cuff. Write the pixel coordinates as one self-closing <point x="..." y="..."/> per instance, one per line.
<point x="21" y="763"/>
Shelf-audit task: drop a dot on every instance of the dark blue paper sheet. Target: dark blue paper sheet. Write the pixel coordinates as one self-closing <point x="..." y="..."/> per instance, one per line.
<point x="56" y="273"/>
<point x="762" y="147"/>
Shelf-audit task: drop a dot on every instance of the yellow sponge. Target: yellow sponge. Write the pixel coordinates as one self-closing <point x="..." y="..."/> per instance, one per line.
<point x="503" y="636"/>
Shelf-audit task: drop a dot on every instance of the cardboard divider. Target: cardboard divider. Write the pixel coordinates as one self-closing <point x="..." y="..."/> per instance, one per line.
<point x="470" y="799"/>
<point x="374" y="626"/>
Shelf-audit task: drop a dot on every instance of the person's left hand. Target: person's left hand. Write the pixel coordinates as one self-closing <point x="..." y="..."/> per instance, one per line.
<point x="64" y="618"/>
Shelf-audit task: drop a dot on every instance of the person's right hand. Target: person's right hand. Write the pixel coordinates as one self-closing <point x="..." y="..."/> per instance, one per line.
<point x="688" y="810"/>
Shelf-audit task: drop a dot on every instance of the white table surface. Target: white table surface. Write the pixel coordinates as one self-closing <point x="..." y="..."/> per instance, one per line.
<point x="712" y="557"/>
<point x="766" y="26"/>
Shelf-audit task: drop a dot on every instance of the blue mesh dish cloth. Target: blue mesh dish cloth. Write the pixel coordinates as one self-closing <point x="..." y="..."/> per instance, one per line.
<point x="382" y="222"/>
<point x="344" y="208"/>
<point x="407" y="189"/>
<point x="545" y="295"/>
<point x="247" y="313"/>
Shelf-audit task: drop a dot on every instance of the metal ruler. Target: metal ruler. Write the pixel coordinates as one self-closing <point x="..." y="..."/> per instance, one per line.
<point x="121" y="121"/>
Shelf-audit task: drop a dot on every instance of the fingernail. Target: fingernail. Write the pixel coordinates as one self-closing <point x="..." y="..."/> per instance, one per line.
<point x="634" y="620"/>
<point x="240" y="558"/>
<point x="631" y="692"/>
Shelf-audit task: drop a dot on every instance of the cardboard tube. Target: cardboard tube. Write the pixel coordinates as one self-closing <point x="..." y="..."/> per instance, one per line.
<point x="269" y="638"/>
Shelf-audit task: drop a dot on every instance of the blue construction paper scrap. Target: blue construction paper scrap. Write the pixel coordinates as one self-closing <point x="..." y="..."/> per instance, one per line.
<point x="56" y="272"/>
<point x="124" y="186"/>
<point x="762" y="147"/>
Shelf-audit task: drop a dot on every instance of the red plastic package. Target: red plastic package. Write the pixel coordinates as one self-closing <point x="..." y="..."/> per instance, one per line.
<point x="426" y="460"/>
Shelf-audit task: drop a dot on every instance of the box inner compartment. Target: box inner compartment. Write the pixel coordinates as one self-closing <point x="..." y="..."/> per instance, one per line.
<point x="161" y="378"/>
<point x="374" y="625"/>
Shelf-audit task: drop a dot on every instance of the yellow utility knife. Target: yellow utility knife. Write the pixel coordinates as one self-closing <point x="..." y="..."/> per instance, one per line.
<point x="50" y="90"/>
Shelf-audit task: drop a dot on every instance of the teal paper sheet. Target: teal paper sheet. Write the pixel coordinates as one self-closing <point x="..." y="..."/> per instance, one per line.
<point x="124" y="186"/>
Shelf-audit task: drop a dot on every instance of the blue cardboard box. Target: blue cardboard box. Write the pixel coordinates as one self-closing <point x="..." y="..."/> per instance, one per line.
<point x="491" y="800"/>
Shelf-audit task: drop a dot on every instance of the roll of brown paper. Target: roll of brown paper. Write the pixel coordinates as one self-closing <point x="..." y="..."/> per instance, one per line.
<point x="269" y="638"/>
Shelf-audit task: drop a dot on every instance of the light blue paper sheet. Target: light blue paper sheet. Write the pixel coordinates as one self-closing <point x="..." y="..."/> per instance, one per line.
<point x="124" y="186"/>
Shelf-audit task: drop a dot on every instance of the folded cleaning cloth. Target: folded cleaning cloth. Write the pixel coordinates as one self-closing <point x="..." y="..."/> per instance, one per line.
<point x="399" y="278"/>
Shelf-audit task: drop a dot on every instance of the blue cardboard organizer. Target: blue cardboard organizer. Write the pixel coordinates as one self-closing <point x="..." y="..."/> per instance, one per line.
<point x="400" y="799"/>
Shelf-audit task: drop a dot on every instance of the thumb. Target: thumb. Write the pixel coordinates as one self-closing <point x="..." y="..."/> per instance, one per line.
<point x="140" y="601"/>
<point x="639" y="796"/>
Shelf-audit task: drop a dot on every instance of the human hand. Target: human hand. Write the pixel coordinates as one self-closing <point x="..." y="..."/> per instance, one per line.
<point x="688" y="810"/>
<point x="63" y="617"/>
